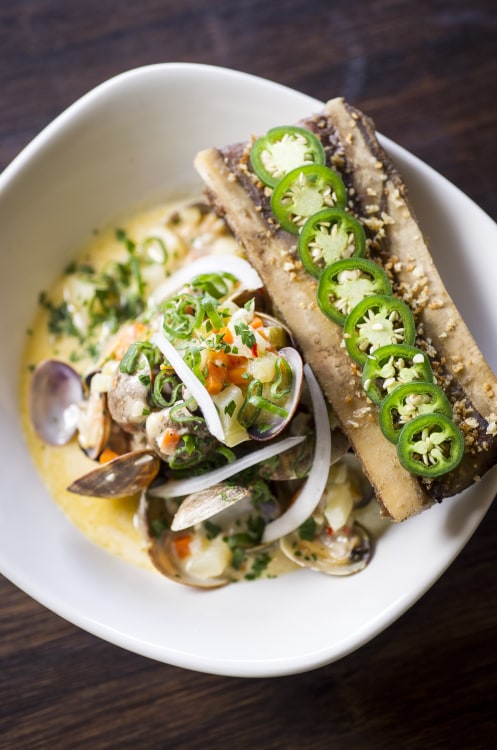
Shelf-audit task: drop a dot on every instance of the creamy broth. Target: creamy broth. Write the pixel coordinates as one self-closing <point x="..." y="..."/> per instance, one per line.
<point x="107" y="522"/>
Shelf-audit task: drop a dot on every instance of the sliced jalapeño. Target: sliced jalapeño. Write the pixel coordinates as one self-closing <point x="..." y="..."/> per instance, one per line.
<point x="303" y="192"/>
<point x="376" y="321"/>
<point x="330" y="235"/>
<point x="391" y="366"/>
<point x="282" y="149"/>
<point x="430" y="445"/>
<point x="345" y="283"/>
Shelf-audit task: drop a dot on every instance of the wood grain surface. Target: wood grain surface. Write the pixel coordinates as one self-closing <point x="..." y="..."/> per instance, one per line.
<point x="427" y="73"/>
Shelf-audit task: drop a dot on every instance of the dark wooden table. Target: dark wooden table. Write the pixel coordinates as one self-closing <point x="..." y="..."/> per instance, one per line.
<point x="427" y="73"/>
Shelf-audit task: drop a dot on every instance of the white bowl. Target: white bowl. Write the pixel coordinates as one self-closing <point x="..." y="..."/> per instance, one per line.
<point x="130" y="142"/>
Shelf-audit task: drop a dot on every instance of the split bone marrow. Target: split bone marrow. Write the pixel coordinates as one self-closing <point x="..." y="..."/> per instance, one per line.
<point x="378" y="197"/>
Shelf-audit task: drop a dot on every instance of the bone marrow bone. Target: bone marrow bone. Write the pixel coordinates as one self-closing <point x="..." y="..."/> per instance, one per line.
<point x="378" y="197"/>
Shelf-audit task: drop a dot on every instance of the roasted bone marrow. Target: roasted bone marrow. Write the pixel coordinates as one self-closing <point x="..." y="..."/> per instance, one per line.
<point x="376" y="198"/>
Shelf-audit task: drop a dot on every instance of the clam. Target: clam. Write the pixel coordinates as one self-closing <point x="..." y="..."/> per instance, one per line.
<point x="209" y="574"/>
<point x="331" y="541"/>
<point x="269" y="424"/>
<point x="336" y="553"/>
<point x="127" y="400"/>
<point x="202" y="555"/>
<point x="184" y="423"/>
<point x="293" y="464"/>
<point x="170" y="551"/>
<point x="55" y="392"/>
<point x="121" y="477"/>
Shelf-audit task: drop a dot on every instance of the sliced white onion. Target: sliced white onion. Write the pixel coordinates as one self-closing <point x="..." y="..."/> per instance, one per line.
<point x="244" y="272"/>
<point x="196" y="388"/>
<point x="311" y="492"/>
<point x="180" y="487"/>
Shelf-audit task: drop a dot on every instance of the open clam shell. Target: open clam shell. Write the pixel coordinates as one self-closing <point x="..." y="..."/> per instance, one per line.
<point x="121" y="477"/>
<point x="203" y="555"/>
<point x="272" y="424"/>
<point x="342" y="553"/>
<point x="166" y="548"/>
<point x="163" y="554"/>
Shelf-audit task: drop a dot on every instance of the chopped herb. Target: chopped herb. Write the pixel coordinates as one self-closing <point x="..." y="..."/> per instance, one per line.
<point x="258" y="567"/>
<point x="261" y="493"/>
<point x="212" y="529"/>
<point x="221" y="343"/>
<point x="230" y="408"/>
<point x="60" y="320"/>
<point x="85" y="268"/>
<point x="307" y="530"/>
<point x="122" y="236"/>
<point x="157" y="526"/>
<point x="191" y="444"/>
<point x="250" y="536"/>
<point x="238" y="558"/>
<point x="247" y="336"/>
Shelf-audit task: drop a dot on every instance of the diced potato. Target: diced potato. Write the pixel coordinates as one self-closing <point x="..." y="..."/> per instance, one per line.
<point x="263" y="368"/>
<point x="208" y="558"/>
<point x="277" y="336"/>
<point x="338" y="504"/>
<point x="233" y="430"/>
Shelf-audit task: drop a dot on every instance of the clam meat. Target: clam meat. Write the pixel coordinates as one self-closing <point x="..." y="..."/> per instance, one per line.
<point x="225" y="547"/>
<point x="331" y="541"/>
